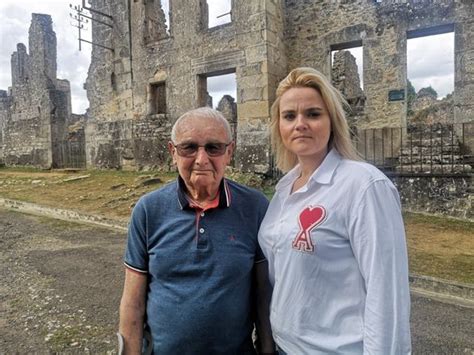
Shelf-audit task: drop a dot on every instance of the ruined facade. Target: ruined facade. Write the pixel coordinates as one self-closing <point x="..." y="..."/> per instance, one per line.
<point x="34" y="112"/>
<point x="158" y="80"/>
<point x="155" y="73"/>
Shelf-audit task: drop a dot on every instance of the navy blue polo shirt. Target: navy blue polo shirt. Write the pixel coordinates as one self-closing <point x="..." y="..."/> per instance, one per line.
<point x="199" y="266"/>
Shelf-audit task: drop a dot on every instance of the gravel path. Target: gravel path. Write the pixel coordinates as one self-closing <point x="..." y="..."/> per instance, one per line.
<point x="60" y="286"/>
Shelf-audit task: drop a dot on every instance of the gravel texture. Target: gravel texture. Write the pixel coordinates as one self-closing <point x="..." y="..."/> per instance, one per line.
<point x="60" y="286"/>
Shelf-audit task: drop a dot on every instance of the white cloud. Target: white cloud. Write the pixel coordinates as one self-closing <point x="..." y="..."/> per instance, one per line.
<point x="218" y="8"/>
<point x="430" y="61"/>
<point x="218" y="86"/>
<point x="15" y="20"/>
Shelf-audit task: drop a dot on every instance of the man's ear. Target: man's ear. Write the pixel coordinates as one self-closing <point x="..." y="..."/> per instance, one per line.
<point x="230" y="151"/>
<point x="172" y="151"/>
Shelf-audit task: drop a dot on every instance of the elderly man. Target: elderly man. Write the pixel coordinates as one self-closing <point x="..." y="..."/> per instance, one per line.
<point x="195" y="277"/>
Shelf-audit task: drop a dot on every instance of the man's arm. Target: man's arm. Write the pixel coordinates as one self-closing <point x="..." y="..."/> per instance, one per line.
<point x="265" y="342"/>
<point x="132" y="311"/>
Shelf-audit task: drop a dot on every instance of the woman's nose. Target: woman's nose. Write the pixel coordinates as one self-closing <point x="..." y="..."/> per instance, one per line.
<point x="300" y="122"/>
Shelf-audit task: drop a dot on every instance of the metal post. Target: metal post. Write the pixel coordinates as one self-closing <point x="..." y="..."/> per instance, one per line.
<point x="373" y="145"/>
<point x="411" y="151"/>
<point x="421" y="149"/>
<point x="452" y="148"/>
<point x="431" y="149"/>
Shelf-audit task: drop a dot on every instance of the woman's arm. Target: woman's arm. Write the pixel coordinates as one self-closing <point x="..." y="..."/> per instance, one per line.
<point x="377" y="237"/>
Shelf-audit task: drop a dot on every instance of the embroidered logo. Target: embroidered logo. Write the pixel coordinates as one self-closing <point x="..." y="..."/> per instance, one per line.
<point x="309" y="218"/>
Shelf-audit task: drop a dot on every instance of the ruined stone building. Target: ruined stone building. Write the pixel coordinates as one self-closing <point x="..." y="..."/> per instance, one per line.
<point x="35" y="112"/>
<point x="153" y="73"/>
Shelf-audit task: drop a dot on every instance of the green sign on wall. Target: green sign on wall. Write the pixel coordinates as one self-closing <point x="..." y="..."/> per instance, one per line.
<point x="396" y="95"/>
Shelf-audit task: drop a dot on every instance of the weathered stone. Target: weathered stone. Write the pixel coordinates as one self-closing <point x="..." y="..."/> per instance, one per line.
<point x="264" y="40"/>
<point x="35" y="115"/>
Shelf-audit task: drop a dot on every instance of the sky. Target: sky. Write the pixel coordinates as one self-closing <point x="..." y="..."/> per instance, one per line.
<point x="430" y="59"/>
<point x="15" y="20"/>
<point x="431" y="62"/>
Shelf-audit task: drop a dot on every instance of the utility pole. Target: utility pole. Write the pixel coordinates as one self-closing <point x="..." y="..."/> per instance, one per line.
<point x="80" y="17"/>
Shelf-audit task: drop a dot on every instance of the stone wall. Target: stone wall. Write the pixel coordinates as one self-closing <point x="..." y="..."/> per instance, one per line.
<point x="179" y="62"/>
<point x="264" y="40"/>
<point x="34" y="112"/>
<point x="382" y="29"/>
<point x="345" y="78"/>
<point x="449" y="196"/>
<point x="4" y="111"/>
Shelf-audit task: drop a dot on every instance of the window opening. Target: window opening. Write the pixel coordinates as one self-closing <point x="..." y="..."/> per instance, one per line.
<point x="347" y="75"/>
<point x="430" y="65"/>
<point x="348" y="64"/>
<point x="156" y="20"/>
<point x="165" y="5"/>
<point x="219" y="12"/>
<point x="220" y="86"/>
<point x="113" y="81"/>
<point x="157" y="98"/>
<point x="219" y="90"/>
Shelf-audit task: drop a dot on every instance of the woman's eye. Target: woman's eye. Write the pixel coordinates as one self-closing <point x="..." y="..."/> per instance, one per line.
<point x="314" y="114"/>
<point x="288" y="116"/>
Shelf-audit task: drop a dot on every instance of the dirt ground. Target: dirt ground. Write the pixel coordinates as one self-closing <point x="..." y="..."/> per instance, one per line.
<point x="438" y="247"/>
<point x="60" y="286"/>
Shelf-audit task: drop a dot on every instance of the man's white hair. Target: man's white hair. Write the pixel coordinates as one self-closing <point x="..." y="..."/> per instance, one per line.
<point x="201" y="112"/>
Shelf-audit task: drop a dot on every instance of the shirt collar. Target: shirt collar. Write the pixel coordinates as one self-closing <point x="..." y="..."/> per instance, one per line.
<point x="322" y="175"/>
<point x="224" y="194"/>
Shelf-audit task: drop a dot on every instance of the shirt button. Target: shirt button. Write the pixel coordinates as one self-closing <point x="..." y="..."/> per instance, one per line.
<point x="201" y="230"/>
<point x="202" y="214"/>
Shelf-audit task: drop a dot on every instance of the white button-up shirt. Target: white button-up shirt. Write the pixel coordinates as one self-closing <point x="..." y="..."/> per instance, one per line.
<point x="338" y="262"/>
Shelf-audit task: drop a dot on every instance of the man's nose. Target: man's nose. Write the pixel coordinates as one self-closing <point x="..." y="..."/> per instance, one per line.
<point x="201" y="156"/>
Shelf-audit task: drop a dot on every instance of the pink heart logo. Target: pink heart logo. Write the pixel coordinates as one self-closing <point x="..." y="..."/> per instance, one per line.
<point x="309" y="218"/>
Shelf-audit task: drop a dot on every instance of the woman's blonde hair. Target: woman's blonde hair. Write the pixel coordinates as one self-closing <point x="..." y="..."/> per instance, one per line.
<point x="340" y="135"/>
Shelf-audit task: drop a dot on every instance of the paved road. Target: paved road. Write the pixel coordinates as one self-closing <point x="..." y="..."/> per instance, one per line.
<point x="60" y="283"/>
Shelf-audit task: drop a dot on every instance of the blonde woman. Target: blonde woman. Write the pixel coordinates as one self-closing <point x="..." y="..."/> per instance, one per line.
<point x="333" y="234"/>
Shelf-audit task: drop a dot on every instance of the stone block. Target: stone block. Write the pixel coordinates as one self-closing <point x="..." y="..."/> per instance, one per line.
<point x="253" y="109"/>
<point x="257" y="53"/>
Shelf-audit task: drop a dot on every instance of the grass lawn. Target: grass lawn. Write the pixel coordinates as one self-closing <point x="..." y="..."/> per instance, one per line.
<point x="437" y="246"/>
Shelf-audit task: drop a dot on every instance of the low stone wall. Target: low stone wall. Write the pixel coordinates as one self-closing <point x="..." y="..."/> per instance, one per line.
<point x="448" y="196"/>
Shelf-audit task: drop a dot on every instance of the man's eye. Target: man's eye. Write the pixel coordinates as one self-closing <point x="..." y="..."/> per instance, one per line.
<point x="188" y="147"/>
<point x="212" y="147"/>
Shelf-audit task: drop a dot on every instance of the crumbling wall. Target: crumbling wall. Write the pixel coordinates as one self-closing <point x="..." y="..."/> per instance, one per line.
<point x="250" y="45"/>
<point x="264" y="40"/>
<point x="447" y="196"/>
<point x="4" y="113"/>
<point x="228" y="107"/>
<point x="38" y="104"/>
<point x="381" y="28"/>
<point x="345" y="78"/>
